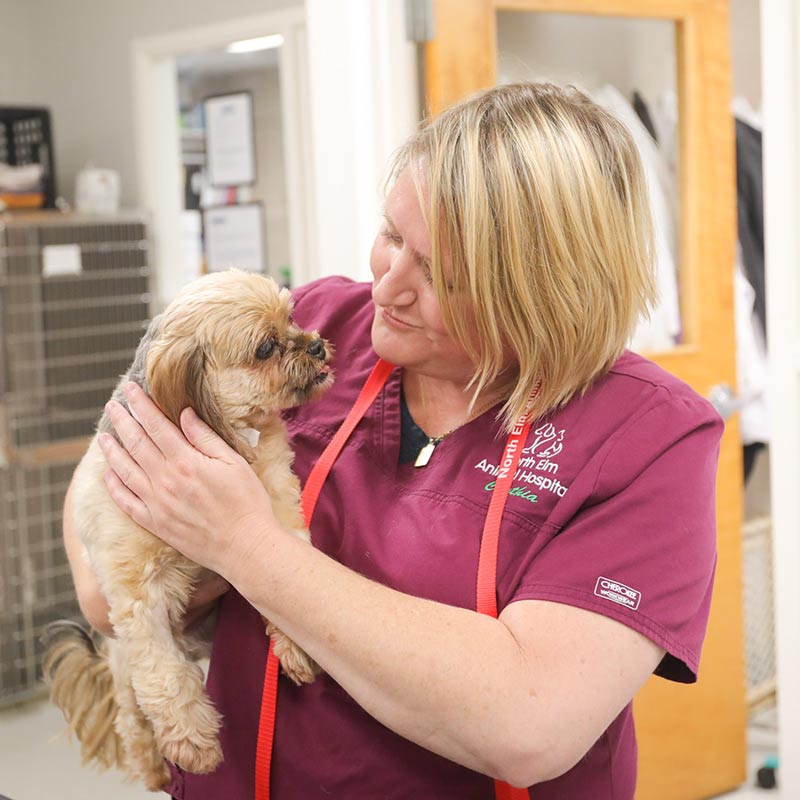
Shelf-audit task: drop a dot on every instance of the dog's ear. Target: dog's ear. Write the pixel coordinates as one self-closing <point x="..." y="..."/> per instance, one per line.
<point x="176" y="377"/>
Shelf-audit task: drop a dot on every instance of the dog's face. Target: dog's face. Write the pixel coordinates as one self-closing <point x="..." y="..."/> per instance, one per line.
<point x="228" y="347"/>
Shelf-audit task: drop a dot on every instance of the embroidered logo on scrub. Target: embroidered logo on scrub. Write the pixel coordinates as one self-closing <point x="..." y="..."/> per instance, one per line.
<point x="617" y="593"/>
<point x="537" y="458"/>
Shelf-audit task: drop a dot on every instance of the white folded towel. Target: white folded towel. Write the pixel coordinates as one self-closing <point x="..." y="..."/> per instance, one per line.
<point x="27" y="178"/>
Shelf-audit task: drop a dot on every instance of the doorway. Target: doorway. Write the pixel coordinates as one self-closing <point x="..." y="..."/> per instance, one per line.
<point x="234" y="221"/>
<point x="178" y="72"/>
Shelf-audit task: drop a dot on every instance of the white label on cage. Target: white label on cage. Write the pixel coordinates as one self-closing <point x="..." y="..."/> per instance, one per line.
<point x="61" y="259"/>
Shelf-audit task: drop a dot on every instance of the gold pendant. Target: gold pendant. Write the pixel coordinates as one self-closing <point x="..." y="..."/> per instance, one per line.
<point x="425" y="454"/>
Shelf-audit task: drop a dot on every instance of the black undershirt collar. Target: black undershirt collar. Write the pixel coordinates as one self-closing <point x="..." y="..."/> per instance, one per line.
<point x="412" y="437"/>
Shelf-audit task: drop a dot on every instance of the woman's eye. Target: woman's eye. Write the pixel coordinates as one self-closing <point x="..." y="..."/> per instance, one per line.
<point x="265" y="349"/>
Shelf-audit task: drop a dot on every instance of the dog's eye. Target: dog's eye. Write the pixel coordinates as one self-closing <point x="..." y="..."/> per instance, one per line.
<point x="265" y="349"/>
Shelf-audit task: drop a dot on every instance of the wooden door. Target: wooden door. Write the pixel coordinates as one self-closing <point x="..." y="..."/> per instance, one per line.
<point x="691" y="738"/>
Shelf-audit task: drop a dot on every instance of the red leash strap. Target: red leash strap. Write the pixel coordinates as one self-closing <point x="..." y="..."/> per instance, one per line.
<point x="486" y="590"/>
<point x="269" y="697"/>
<point x="504" y="791"/>
<point x="266" y="725"/>
<point x="377" y="378"/>
<point x="487" y="560"/>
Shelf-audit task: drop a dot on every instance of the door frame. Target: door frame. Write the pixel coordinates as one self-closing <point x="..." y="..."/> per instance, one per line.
<point x="153" y="65"/>
<point x="364" y="103"/>
<point x="780" y="80"/>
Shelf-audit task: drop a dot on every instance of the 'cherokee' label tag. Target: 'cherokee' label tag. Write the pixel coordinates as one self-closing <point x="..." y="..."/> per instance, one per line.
<point x="617" y="593"/>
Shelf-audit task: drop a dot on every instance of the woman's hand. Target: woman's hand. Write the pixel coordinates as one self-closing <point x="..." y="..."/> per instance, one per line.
<point x="187" y="486"/>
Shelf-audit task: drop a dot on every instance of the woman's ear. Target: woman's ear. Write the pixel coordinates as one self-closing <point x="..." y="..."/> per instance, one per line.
<point x="176" y="376"/>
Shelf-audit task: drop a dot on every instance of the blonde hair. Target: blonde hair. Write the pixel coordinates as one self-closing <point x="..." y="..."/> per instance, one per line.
<point x="541" y="202"/>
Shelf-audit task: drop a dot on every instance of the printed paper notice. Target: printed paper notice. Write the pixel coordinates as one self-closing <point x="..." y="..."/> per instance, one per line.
<point x="61" y="259"/>
<point x="235" y="238"/>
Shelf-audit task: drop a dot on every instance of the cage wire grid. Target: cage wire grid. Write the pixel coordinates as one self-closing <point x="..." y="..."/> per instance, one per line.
<point x="759" y="613"/>
<point x="35" y="581"/>
<point x="65" y="340"/>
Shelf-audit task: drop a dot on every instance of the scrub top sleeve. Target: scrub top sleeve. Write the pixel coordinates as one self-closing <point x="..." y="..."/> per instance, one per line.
<point x="319" y="290"/>
<point x="299" y="293"/>
<point x="642" y="547"/>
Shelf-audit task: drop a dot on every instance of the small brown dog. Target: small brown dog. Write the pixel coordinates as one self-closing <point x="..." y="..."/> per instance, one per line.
<point x="227" y="346"/>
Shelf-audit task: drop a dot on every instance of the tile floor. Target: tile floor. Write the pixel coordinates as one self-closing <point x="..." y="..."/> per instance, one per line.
<point x="37" y="764"/>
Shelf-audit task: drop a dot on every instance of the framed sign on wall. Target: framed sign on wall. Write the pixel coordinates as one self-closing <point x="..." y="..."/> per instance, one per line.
<point x="230" y="147"/>
<point x="235" y="238"/>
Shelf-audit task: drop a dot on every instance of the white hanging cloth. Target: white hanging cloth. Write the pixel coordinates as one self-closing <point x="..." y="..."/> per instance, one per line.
<point x="751" y="361"/>
<point x="663" y="329"/>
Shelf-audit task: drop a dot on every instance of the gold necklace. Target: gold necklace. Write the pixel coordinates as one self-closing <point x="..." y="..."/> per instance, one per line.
<point x="426" y="452"/>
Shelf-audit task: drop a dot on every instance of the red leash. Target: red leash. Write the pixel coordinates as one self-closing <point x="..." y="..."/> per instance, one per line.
<point x="487" y="561"/>
<point x="486" y="589"/>
<point x="377" y="378"/>
<point x="269" y="697"/>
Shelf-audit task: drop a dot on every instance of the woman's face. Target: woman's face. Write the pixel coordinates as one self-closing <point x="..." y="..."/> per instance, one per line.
<point x="408" y="329"/>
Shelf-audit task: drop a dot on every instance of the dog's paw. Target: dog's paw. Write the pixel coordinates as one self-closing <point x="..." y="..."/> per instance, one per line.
<point x="143" y="761"/>
<point x="191" y="741"/>
<point x="156" y="778"/>
<point x="296" y="664"/>
<point x="192" y="754"/>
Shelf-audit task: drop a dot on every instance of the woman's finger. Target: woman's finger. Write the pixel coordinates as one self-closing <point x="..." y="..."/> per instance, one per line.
<point x="204" y="438"/>
<point x="167" y="438"/>
<point x="133" y="436"/>
<point x="128" y="501"/>
<point x="124" y="465"/>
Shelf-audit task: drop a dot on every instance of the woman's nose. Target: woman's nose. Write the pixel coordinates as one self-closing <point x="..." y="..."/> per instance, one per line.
<point x="393" y="284"/>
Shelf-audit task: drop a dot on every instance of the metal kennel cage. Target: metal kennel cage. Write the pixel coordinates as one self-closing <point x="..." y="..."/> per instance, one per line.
<point x="74" y="302"/>
<point x="35" y="581"/>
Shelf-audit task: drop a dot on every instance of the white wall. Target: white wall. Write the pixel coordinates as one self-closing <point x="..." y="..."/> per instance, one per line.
<point x="81" y="70"/>
<point x="746" y="49"/>
<point x="629" y="53"/>
<point x="15" y="53"/>
<point x="587" y="50"/>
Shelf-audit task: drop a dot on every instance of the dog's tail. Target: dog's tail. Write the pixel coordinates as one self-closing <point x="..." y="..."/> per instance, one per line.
<point x="82" y="686"/>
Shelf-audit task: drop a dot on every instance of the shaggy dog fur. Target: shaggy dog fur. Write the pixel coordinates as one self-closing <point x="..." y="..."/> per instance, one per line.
<point x="228" y="347"/>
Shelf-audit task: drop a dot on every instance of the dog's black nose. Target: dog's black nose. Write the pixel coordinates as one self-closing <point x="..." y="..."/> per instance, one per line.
<point x="316" y="349"/>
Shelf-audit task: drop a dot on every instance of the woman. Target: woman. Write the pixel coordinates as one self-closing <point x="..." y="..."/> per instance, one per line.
<point x="510" y="270"/>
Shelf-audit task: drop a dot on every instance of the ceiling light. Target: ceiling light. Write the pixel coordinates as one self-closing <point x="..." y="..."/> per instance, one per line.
<point x="259" y="43"/>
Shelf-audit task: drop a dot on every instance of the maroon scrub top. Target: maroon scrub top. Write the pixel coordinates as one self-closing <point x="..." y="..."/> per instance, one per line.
<point x="612" y="510"/>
